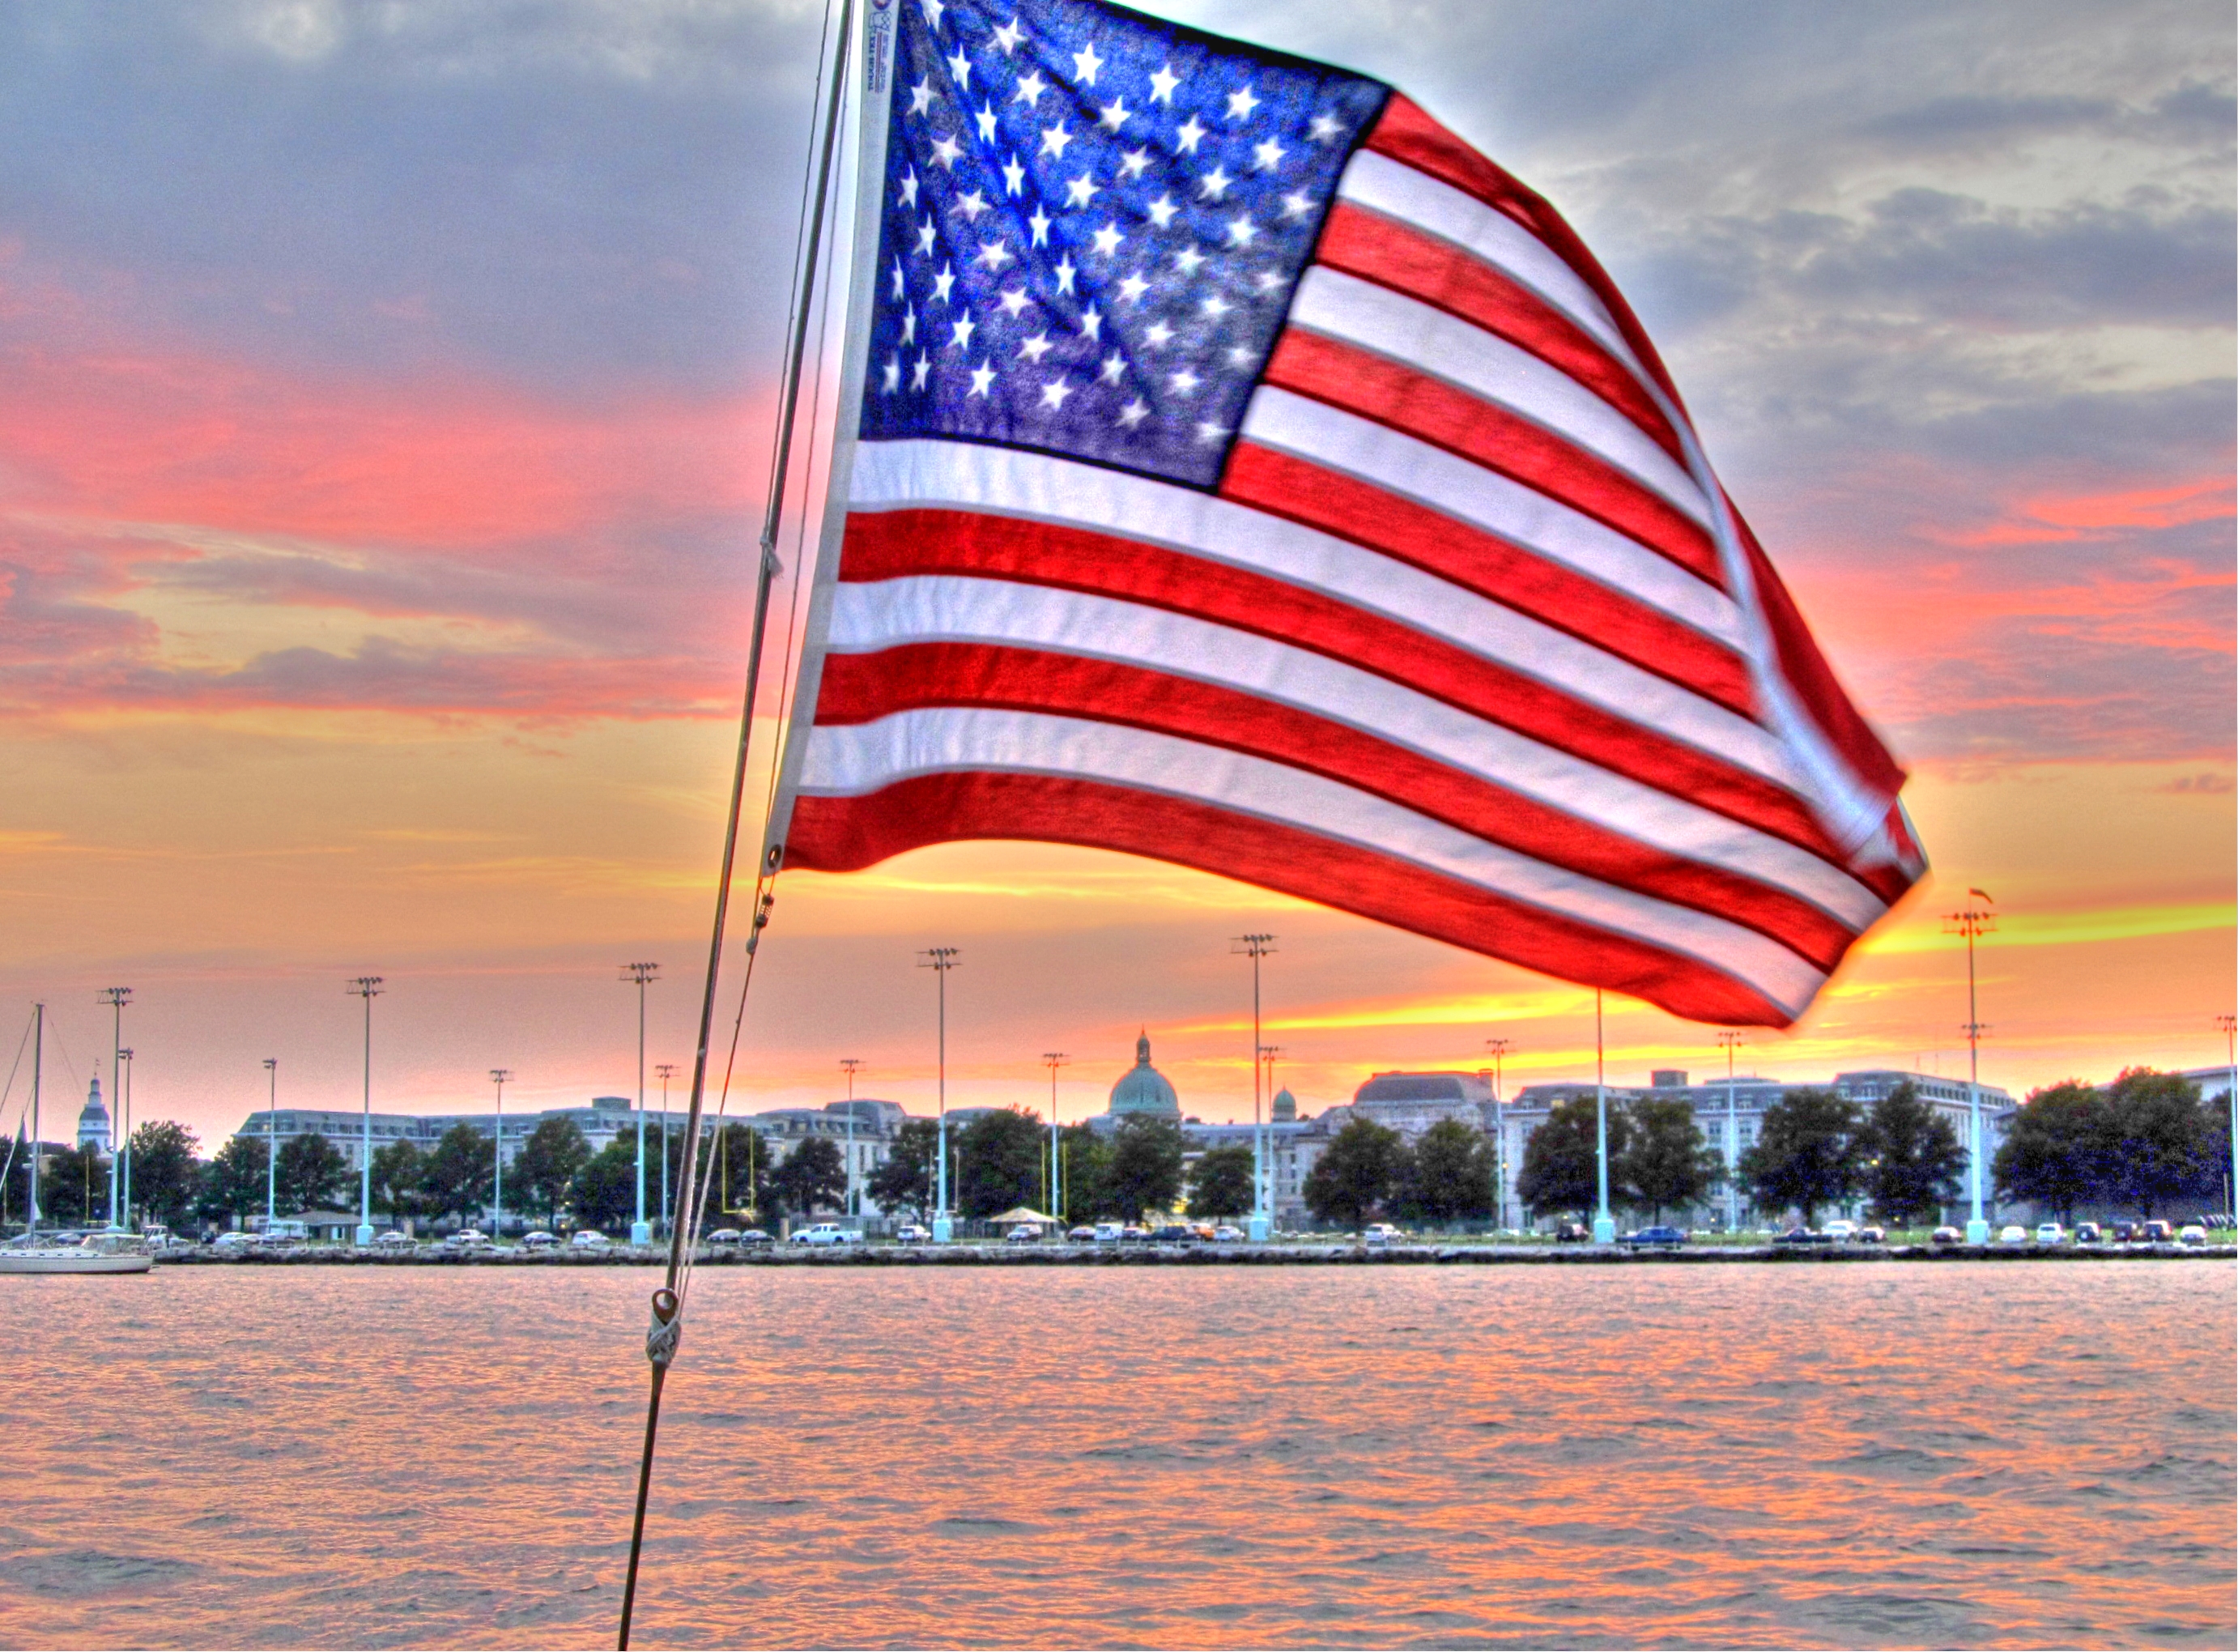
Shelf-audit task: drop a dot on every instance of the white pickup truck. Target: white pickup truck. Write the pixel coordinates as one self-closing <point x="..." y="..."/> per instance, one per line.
<point x="828" y="1233"/>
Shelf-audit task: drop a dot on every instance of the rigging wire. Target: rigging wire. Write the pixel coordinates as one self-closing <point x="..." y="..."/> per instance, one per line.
<point x="665" y="1330"/>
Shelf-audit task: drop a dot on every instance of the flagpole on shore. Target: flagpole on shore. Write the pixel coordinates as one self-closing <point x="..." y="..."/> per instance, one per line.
<point x="1604" y="1224"/>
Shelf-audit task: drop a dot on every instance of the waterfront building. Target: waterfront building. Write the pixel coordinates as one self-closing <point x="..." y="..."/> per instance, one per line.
<point x="93" y="1121"/>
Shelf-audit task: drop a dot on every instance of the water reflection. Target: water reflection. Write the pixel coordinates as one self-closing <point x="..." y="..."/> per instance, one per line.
<point x="1877" y="1455"/>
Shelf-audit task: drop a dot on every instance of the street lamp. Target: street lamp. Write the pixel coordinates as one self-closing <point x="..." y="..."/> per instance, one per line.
<point x="1055" y="1194"/>
<point x="124" y="1115"/>
<point x="1499" y="1047"/>
<point x="117" y="998"/>
<point x="850" y="1064"/>
<point x="271" y="1143"/>
<point x="2230" y="1025"/>
<point x="640" y="1229"/>
<point x="368" y="988"/>
<point x="940" y="960"/>
<point x="1973" y="922"/>
<point x="1730" y="1041"/>
<point x="1604" y="1224"/>
<point x="1256" y="947"/>
<point x="664" y="1071"/>
<point x="498" y="1076"/>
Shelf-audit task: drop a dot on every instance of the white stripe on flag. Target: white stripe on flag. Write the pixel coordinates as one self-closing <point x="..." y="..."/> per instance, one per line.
<point x="1524" y="517"/>
<point x="901" y="475"/>
<point x="856" y="760"/>
<point x="1444" y="347"/>
<point x="866" y="618"/>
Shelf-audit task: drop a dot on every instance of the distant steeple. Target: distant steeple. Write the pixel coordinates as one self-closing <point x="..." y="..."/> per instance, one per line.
<point x="93" y="1123"/>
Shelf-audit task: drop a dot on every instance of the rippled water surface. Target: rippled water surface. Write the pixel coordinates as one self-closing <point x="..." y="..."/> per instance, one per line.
<point x="1951" y="1455"/>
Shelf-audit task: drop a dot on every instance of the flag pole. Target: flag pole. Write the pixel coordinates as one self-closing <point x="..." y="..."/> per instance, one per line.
<point x="662" y="1338"/>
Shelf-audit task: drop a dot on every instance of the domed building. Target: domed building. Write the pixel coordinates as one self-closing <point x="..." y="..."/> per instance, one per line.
<point x="93" y="1123"/>
<point x="1143" y="1092"/>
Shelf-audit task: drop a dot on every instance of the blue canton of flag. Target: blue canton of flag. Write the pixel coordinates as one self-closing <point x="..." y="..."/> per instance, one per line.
<point x="1093" y="223"/>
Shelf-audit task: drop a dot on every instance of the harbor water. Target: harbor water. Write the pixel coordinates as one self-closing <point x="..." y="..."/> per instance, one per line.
<point x="1962" y="1454"/>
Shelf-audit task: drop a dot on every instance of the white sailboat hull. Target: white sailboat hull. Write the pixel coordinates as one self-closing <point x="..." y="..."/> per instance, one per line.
<point x="71" y="1262"/>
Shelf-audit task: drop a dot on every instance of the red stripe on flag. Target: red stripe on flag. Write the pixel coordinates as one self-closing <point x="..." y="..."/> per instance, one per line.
<point x="1394" y="394"/>
<point x="863" y="687"/>
<point x="1283" y="485"/>
<point x="884" y="545"/>
<point x="846" y="834"/>
<point x="1366" y="244"/>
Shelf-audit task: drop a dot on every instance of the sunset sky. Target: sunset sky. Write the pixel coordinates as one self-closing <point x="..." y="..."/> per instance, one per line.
<point x="385" y="396"/>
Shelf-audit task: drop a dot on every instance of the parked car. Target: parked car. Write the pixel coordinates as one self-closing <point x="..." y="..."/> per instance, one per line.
<point x="723" y="1235"/>
<point x="2156" y="1233"/>
<point x="467" y="1239"/>
<point x="2012" y="1233"/>
<point x="1172" y="1233"/>
<point x="1800" y="1236"/>
<point x="2125" y="1232"/>
<point x="394" y="1240"/>
<point x="2050" y="1233"/>
<point x="1082" y="1235"/>
<point x="1225" y="1234"/>
<point x="824" y="1234"/>
<point x="1946" y="1236"/>
<point x="1572" y="1233"/>
<point x="1873" y="1235"/>
<point x="2089" y="1233"/>
<point x="1023" y="1233"/>
<point x="1656" y="1238"/>
<point x="1109" y="1232"/>
<point x="2192" y="1233"/>
<point x="754" y="1236"/>
<point x="1380" y="1233"/>
<point x="911" y="1233"/>
<point x="1839" y="1231"/>
<point x="537" y="1239"/>
<point x="1134" y="1234"/>
<point x="224" y="1241"/>
<point x="589" y="1239"/>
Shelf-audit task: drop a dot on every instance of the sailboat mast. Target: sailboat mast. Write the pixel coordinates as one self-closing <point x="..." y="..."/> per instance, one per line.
<point x="38" y="1063"/>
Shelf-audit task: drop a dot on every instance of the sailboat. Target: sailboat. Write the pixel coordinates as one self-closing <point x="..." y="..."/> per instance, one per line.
<point x="99" y="1253"/>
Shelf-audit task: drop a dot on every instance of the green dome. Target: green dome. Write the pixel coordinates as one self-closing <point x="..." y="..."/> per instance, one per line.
<point x="1142" y="1089"/>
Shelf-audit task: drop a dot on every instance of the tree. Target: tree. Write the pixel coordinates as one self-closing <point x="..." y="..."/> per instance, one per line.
<point x="165" y="1174"/>
<point x="456" y="1179"/>
<point x="233" y="1183"/>
<point x="1354" y="1174"/>
<point x="1809" y="1150"/>
<point x="74" y="1192"/>
<point x="1220" y="1182"/>
<point x="1144" y="1173"/>
<point x="2158" y="1146"/>
<point x="1001" y="1160"/>
<point x="1914" y="1159"/>
<point x="1083" y="1172"/>
<point x="904" y="1180"/>
<point x="2054" y="1149"/>
<point x="400" y="1170"/>
<point x="311" y="1174"/>
<point x="1448" y="1177"/>
<point x="1560" y="1168"/>
<point x="813" y="1175"/>
<point x="1667" y="1164"/>
<point x="545" y="1166"/>
<point x="605" y="1191"/>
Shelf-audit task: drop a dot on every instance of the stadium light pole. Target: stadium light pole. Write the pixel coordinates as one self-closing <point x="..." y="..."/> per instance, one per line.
<point x="124" y="1141"/>
<point x="1053" y="1059"/>
<point x="940" y="960"/>
<point x="1973" y="922"/>
<point x="1256" y="947"/>
<point x="1604" y="1223"/>
<point x="1267" y="1054"/>
<point x="640" y="974"/>
<point x="368" y="988"/>
<point x="849" y="1066"/>
<point x="1499" y="1047"/>
<point x="116" y="997"/>
<point x="271" y="1141"/>
<point x="1730" y="1041"/>
<point x="498" y="1076"/>
<point x="2230" y="1025"/>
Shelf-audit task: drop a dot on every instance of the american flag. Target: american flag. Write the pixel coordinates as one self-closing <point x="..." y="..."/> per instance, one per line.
<point x="1252" y="475"/>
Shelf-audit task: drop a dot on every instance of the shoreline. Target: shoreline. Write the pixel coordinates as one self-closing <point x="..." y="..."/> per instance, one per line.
<point x="997" y="1255"/>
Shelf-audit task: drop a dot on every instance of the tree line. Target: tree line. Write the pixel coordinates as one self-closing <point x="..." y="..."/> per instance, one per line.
<point x="2141" y="1143"/>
